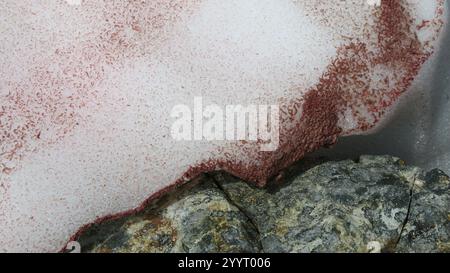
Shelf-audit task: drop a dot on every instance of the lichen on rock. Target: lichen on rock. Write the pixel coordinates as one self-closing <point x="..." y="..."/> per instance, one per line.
<point x="376" y="204"/>
<point x="197" y="218"/>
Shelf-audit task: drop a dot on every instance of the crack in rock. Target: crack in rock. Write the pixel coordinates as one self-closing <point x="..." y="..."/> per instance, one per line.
<point x="218" y="177"/>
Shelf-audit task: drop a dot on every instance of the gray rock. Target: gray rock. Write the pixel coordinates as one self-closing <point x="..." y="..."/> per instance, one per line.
<point x="197" y="218"/>
<point x="377" y="204"/>
<point x="428" y="225"/>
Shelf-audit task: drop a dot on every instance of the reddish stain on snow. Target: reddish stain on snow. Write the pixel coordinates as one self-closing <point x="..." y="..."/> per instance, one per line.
<point x="398" y="47"/>
<point x="27" y="116"/>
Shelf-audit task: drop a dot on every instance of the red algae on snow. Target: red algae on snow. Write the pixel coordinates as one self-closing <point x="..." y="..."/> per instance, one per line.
<point x="87" y="90"/>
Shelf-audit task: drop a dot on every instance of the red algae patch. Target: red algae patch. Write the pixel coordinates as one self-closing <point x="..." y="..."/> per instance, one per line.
<point x="87" y="91"/>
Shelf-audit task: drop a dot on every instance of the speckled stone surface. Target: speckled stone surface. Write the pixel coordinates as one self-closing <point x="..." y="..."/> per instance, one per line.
<point x="377" y="204"/>
<point x="196" y="218"/>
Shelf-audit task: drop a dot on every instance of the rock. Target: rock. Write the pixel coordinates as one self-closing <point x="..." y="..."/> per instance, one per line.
<point x="198" y="218"/>
<point x="428" y="226"/>
<point x="350" y="207"/>
<point x="377" y="204"/>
